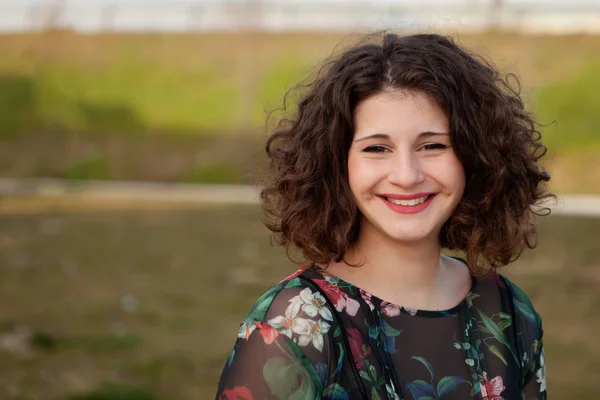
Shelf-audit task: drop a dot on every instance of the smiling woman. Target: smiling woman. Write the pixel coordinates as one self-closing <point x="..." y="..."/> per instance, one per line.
<point x="401" y="148"/>
<point x="401" y="159"/>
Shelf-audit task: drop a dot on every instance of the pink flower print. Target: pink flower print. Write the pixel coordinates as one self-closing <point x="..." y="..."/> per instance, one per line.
<point x="366" y="296"/>
<point x="295" y="274"/>
<point x="268" y="333"/>
<point x="499" y="280"/>
<point x="339" y="299"/>
<point x="237" y="393"/>
<point x="356" y="347"/>
<point x="389" y="309"/>
<point x="492" y="389"/>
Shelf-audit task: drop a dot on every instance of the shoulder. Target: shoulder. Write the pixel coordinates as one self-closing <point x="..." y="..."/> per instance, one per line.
<point x="497" y="293"/>
<point x="522" y="304"/>
<point x="528" y="324"/>
<point x="292" y="308"/>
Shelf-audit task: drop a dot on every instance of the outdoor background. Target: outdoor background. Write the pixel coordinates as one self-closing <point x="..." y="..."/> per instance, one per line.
<point x="138" y="299"/>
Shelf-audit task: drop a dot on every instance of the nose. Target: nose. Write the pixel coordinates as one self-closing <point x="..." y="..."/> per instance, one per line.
<point x="406" y="170"/>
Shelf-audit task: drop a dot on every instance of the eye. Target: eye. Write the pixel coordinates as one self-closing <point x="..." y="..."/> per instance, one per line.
<point x="375" y="149"/>
<point x="434" y="146"/>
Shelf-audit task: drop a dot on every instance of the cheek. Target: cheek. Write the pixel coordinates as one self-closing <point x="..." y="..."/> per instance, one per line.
<point x="363" y="174"/>
<point x="354" y="171"/>
<point x="454" y="175"/>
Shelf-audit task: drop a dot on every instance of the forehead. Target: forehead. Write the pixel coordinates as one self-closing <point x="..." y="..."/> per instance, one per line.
<point x="399" y="113"/>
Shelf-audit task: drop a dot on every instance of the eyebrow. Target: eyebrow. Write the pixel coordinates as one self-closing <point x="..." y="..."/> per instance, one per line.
<point x="422" y="135"/>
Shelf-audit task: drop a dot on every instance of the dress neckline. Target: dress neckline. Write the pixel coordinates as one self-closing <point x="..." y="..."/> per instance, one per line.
<point x="394" y="309"/>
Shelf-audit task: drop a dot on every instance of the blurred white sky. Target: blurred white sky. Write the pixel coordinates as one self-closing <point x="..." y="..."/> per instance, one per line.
<point x="557" y="16"/>
<point x="421" y="2"/>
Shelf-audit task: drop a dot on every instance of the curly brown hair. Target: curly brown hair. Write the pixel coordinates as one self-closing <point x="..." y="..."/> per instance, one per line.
<point x="308" y="204"/>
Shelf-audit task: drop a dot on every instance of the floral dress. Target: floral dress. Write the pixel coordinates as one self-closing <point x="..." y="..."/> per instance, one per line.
<point x="315" y="336"/>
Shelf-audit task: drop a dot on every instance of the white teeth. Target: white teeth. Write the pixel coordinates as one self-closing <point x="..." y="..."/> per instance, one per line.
<point x="411" y="202"/>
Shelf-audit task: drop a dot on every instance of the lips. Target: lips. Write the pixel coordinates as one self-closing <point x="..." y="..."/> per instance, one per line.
<point x="408" y="204"/>
<point x="409" y="200"/>
<point x="407" y="196"/>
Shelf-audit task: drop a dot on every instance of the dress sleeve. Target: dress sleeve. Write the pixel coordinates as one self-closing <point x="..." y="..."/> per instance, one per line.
<point x="535" y="379"/>
<point x="530" y="345"/>
<point x="283" y="353"/>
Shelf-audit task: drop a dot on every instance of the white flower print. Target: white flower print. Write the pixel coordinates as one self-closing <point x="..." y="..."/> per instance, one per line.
<point x="411" y="311"/>
<point x="246" y="329"/>
<point x="314" y="335"/>
<point x="541" y="373"/>
<point x="314" y="303"/>
<point x="524" y="359"/>
<point x="291" y="322"/>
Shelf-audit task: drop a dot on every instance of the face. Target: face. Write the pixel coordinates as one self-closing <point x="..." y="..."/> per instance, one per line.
<point x="402" y="170"/>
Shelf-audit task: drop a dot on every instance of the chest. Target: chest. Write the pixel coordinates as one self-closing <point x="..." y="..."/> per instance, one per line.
<point x="457" y="356"/>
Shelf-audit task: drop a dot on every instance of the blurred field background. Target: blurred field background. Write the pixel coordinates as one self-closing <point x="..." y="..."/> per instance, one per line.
<point x="141" y="300"/>
<point x="144" y="301"/>
<point x="192" y="107"/>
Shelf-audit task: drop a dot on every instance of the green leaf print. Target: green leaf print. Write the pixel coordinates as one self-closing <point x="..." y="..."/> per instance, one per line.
<point x="476" y="388"/>
<point x="522" y="303"/>
<point x="305" y="364"/>
<point x="335" y="391"/>
<point x="373" y="373"/>
<point x="505" y="323"/>
<point x="426" y="363"/>
<point x="470" y="297"/>
<point x="337" y="332"/>
<point x="497" y="353"/>
<point x="493" y="329"/>
<point x="340" y="362"/>
<point x="504" y="315"/>
<point x="419" y="388"/>
<point x="294" y="282"/>
<point x="525" y="310"/>
<point x="448" y="383"/>
<point x="374" y="331"/>
<point x="259" y="310"/>
<point x="289" y="381"/>
<point x="365" y="375"/>
<point x="389" y="330"/>
<point x="375" y="394"/>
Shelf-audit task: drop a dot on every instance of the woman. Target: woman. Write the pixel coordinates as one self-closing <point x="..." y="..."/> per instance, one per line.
<point x="398" y="150"/>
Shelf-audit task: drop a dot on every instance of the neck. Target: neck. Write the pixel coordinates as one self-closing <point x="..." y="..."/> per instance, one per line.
<point x="404" y="273"/>
<point x="415" y="264"/>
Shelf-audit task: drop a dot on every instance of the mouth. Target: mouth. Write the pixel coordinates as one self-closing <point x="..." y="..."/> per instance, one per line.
<point x="409" y="202"/>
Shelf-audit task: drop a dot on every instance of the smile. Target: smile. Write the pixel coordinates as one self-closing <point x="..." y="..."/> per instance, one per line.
<point x="409" y="204"/>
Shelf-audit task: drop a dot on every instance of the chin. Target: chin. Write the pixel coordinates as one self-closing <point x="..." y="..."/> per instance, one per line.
<point x="407" y="235"/>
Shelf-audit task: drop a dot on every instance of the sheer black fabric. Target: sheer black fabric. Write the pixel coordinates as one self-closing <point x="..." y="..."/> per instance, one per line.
<point x="314" y="336"/>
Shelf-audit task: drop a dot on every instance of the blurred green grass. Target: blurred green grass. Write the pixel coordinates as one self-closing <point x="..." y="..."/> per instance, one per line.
<point x="192" y="107"/>
<point x="573" y="103"/>
<point x="145" y="302"/>
<point x="133" y="84"/>
<point x="214" y="83"/>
